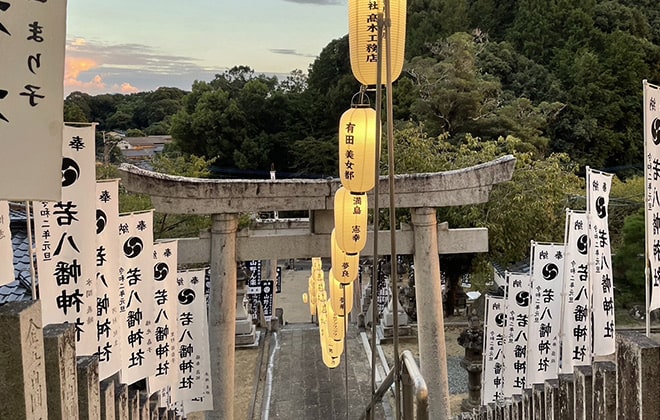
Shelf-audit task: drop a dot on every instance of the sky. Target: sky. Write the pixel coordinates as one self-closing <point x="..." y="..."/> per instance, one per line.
<point x="128" y="46"/>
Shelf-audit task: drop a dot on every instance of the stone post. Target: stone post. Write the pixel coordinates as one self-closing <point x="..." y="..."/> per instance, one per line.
<point x="583" y="392"/>
<point x="538" y="402"/>
<point x="516" y="407"/>
<point x="133" y="404"/>
<point x="430" y="321"/>
<point x="638" y="373"/>
<point x="62" y="383"/>
<point x="552" y="399"/>
<point x="23" y="384"/>
<point x="222" y="314"/>
<point x="107" y="389"/>
<point x="89" y="398"/>
<point x="566" y="396"/>
<point x="472" y="340"/>
<point x="604" y="391"/>
<point x="528" y="407"/>
<point x="121" y="401"/>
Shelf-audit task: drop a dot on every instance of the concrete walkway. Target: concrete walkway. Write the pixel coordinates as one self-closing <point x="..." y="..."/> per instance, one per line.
<point x="300" y="386"/>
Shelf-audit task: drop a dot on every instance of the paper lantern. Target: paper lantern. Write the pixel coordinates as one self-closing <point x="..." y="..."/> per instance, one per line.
<point x="328" y="347"/>
<point x="311" y="293"/>
<point x="335" y="325"/>
<point x="350" y="221"/>
<point x="339" y="306"/>
<point x="345" y="266"/>
<point x="357" y="149"/>
<point x="316" y="263"/>
<point x="363" y="38"/>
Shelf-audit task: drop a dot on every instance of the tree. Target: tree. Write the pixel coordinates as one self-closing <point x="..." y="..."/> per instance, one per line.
<point x="629" y="265"/>
<point x="531" y="206"/>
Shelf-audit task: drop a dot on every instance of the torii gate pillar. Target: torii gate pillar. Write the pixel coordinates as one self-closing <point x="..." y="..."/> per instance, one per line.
<point x="430" y="321"/>
<point x="222" y="314"/>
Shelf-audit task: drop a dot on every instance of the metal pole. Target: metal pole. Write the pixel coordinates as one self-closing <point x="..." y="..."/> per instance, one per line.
<point x="647" y="283"/>
<point x="33" y="274"/>
<point x="390" y="153"/>
<point x="374" y="269"/>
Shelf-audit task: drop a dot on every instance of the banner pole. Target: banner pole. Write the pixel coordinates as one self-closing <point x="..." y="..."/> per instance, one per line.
<point x="647" y="278"/>
<point x="33" y="283"/>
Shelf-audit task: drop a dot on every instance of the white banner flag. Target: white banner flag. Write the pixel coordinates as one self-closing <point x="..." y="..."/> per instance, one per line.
<point x="547" y="271"/>
<point x="6" y="251"/>
<point x="194" y="367"/>
<point x="32" y="39"/>
<point x="136" y="306"/>
<point x="518" y="303"/>
<point x="600" y="262"/>
<point x="66" y="242"/>
<point x="576" y="313"/>
<point x="108" y="323"/>
<point x="165" y="322"/>
<point x="491" y="388"/>
<point x="652" y="197"/>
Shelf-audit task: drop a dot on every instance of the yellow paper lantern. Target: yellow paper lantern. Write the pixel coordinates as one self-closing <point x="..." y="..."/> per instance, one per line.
<point x="335" y="324"/>
<point x="350" y="221"/>
<point x="328" y="347"/>
<point x="340" y="306"/>
<point x="311" y="293"/>
<point x="345" y="266"/>
<point x="357" y="149"/>
<point x="363" y="38"/>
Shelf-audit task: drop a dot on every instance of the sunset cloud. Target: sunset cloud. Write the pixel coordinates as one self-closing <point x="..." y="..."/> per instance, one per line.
<point x="97" y="67"/>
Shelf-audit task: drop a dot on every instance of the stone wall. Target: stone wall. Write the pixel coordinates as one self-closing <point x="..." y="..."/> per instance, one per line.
<point x="42" y="378"/>
<point x="625" y="388"/>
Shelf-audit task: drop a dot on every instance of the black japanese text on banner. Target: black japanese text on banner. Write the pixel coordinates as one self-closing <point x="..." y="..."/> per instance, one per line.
<point x="545" y="314"/>
<point x="652" y="196"/>
<point x="32" y="40"/>
<point x="193" y="342"/>
<point x="600" y="262"/>
<point x="492" y="379"/>
<point x="576" y="313"/>
<point x="165" y="322"/>
<point x="66" y="242"/>
<point x="136" y="304"/>
<point x="108" y="323"/>
<point x="518" y="303"/>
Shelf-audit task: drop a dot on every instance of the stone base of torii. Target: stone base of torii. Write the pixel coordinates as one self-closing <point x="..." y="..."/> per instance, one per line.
<point x="224" y="246"/>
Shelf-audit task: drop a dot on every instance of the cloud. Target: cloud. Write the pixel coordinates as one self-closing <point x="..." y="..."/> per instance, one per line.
<point x="289" y="51"/>
<point x="97" y="67"/>
<point x="319" y="2"/>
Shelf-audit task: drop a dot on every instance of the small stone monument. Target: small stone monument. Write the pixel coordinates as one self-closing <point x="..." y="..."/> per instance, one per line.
<point x="472" y="340"/>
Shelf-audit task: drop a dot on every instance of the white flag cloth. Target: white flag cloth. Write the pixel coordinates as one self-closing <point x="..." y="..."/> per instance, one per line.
<point x="165" y="322"/>
<point x="108" y="322"/>
<point x="652" y="196"/>
<point x="136" y="286"/>
<point x="600" y="262"/>
<point x="66" y="242"/>
<point x="518" y="303"/>
<point x="576" y="313"/>
<point x="6" y="251"/>
<point x="32" y="39"/>
<point x="547" y="272"/>
<point x="194" y="365"/>
<point x="491" y="388"/>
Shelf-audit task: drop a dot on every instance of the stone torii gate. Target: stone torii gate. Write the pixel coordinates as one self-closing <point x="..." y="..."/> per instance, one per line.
<point x="224" y="200"/>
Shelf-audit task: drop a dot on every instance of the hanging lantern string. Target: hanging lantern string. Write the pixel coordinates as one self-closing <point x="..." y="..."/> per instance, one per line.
<point x="363" y="98"/>
<point x="345" y="326"/>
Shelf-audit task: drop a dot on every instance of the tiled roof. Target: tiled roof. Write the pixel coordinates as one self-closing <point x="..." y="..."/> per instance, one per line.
<point x="21" y="288"/>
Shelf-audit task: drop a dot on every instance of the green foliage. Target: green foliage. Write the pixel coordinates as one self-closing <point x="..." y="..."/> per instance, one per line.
<point x="531" y="206"/>
<point x="628" y="264"/>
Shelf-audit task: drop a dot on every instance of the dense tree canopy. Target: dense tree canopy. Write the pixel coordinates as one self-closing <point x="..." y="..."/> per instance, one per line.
<point x="557" y="84"/>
